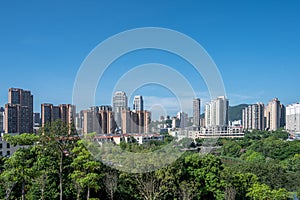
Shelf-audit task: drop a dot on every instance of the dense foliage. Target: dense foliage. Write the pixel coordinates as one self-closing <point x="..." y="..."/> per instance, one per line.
<point x="57" y="165"/>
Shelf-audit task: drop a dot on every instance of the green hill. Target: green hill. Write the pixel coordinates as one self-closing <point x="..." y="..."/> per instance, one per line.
<point x="235" y="112"/>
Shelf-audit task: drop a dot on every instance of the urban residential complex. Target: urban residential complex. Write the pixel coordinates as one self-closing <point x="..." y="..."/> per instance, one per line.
<point x="261" y="117"/>
<point x="254" y="117"/>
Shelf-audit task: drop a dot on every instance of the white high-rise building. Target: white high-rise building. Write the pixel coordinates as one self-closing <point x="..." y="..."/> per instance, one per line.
<point x="216" y="112"/>
<point x="138" y="103"/>
<point x="120" y="103"/>
<point x="253" y="117"/>
<point x="293" y="117"/>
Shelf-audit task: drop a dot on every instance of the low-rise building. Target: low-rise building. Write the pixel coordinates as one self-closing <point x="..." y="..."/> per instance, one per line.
<point x="6" y="149"/>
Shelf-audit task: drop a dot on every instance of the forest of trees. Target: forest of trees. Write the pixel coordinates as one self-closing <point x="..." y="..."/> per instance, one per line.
<point x="56" y="164"/>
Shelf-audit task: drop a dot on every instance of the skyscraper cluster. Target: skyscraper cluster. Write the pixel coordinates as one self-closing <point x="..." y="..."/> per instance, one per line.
<point x="116" y="119"/>
<point x="261" y="117"/>
<point x="19" y="117"/>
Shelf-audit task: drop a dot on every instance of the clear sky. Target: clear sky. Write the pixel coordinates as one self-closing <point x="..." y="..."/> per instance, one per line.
<point x="255" y="44"/>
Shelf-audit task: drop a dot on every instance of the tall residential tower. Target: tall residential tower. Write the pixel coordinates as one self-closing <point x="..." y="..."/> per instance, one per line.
<point x="253" y="117"/>
<point x="19" y="111"/>
<point x="120" y="103"/>
<point x="64" y="112"/>
<point x="274" y="114"/>
<point x="216" y="112"/>
<point x="196" y="112"/>
<point x="138" y="103"/>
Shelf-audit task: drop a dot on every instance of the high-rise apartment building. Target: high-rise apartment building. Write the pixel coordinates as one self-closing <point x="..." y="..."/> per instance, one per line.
<point x="196" y="112"/>
<point x="106" y="119"/>
<point x="282" y="116"/>
<point x="138" y="103"/>
<point x="98" y="119"/>
<point x="274" y="112"/>
<point x="19" y="111"/>
<point x="64" y="112"/>
<point x="90" y="122"/>
<point x="120" y="103"/>
<point x="293" y="117"/>
<point x="253" y="117"/>
<point x="79" y="122"/>
<point x="216" y="112"/>
<point x="183" y="119"/>
<point x="136" y="121"/>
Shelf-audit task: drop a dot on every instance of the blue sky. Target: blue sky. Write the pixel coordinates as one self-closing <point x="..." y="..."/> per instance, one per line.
<point x="255" y="44"/>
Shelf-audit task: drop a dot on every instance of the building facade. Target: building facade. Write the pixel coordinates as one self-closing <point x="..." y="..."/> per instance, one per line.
<point x="136" y="121"/>
<point x="2" y="120"/>
<point x="98" y="119"/>
<point x="293" y="117"/>
<point x="64" y="112"/>
<point x="216" y="112"/>
<point x="6" y="149"/>
<point x="253" y="117"/>
<point x="138" y="103"/>
<point x="183" y="119"/>
<point x="120" y="103"/>
<point x="274" y="114"/>
<point x="19" y="111"/>
<point x="196" y="112"/>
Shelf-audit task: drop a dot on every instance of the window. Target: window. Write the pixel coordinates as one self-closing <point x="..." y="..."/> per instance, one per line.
<point x="8" y="145"/>
<point x="8" y="153"/>
<point x="0" y="145"/>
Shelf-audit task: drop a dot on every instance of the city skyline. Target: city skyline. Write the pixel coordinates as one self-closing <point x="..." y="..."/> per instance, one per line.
<point x="18" y="115"/>
<point x="257" y="52"/>
<point x="140" y="98"/>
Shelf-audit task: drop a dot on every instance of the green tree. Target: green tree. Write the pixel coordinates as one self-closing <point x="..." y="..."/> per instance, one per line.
<point x="61" y="137"/>
<point x="253" y="156"/>
<point x="111" y="182"/>
<point x="85" y="170"/>
<point x="20" y="163"/>
<point x="18" y="169"/>
<point x="263" y="192"/>
<point x="206" y="172"/>
<point x="236" y="183"/>
<point x="231" y="148"/>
